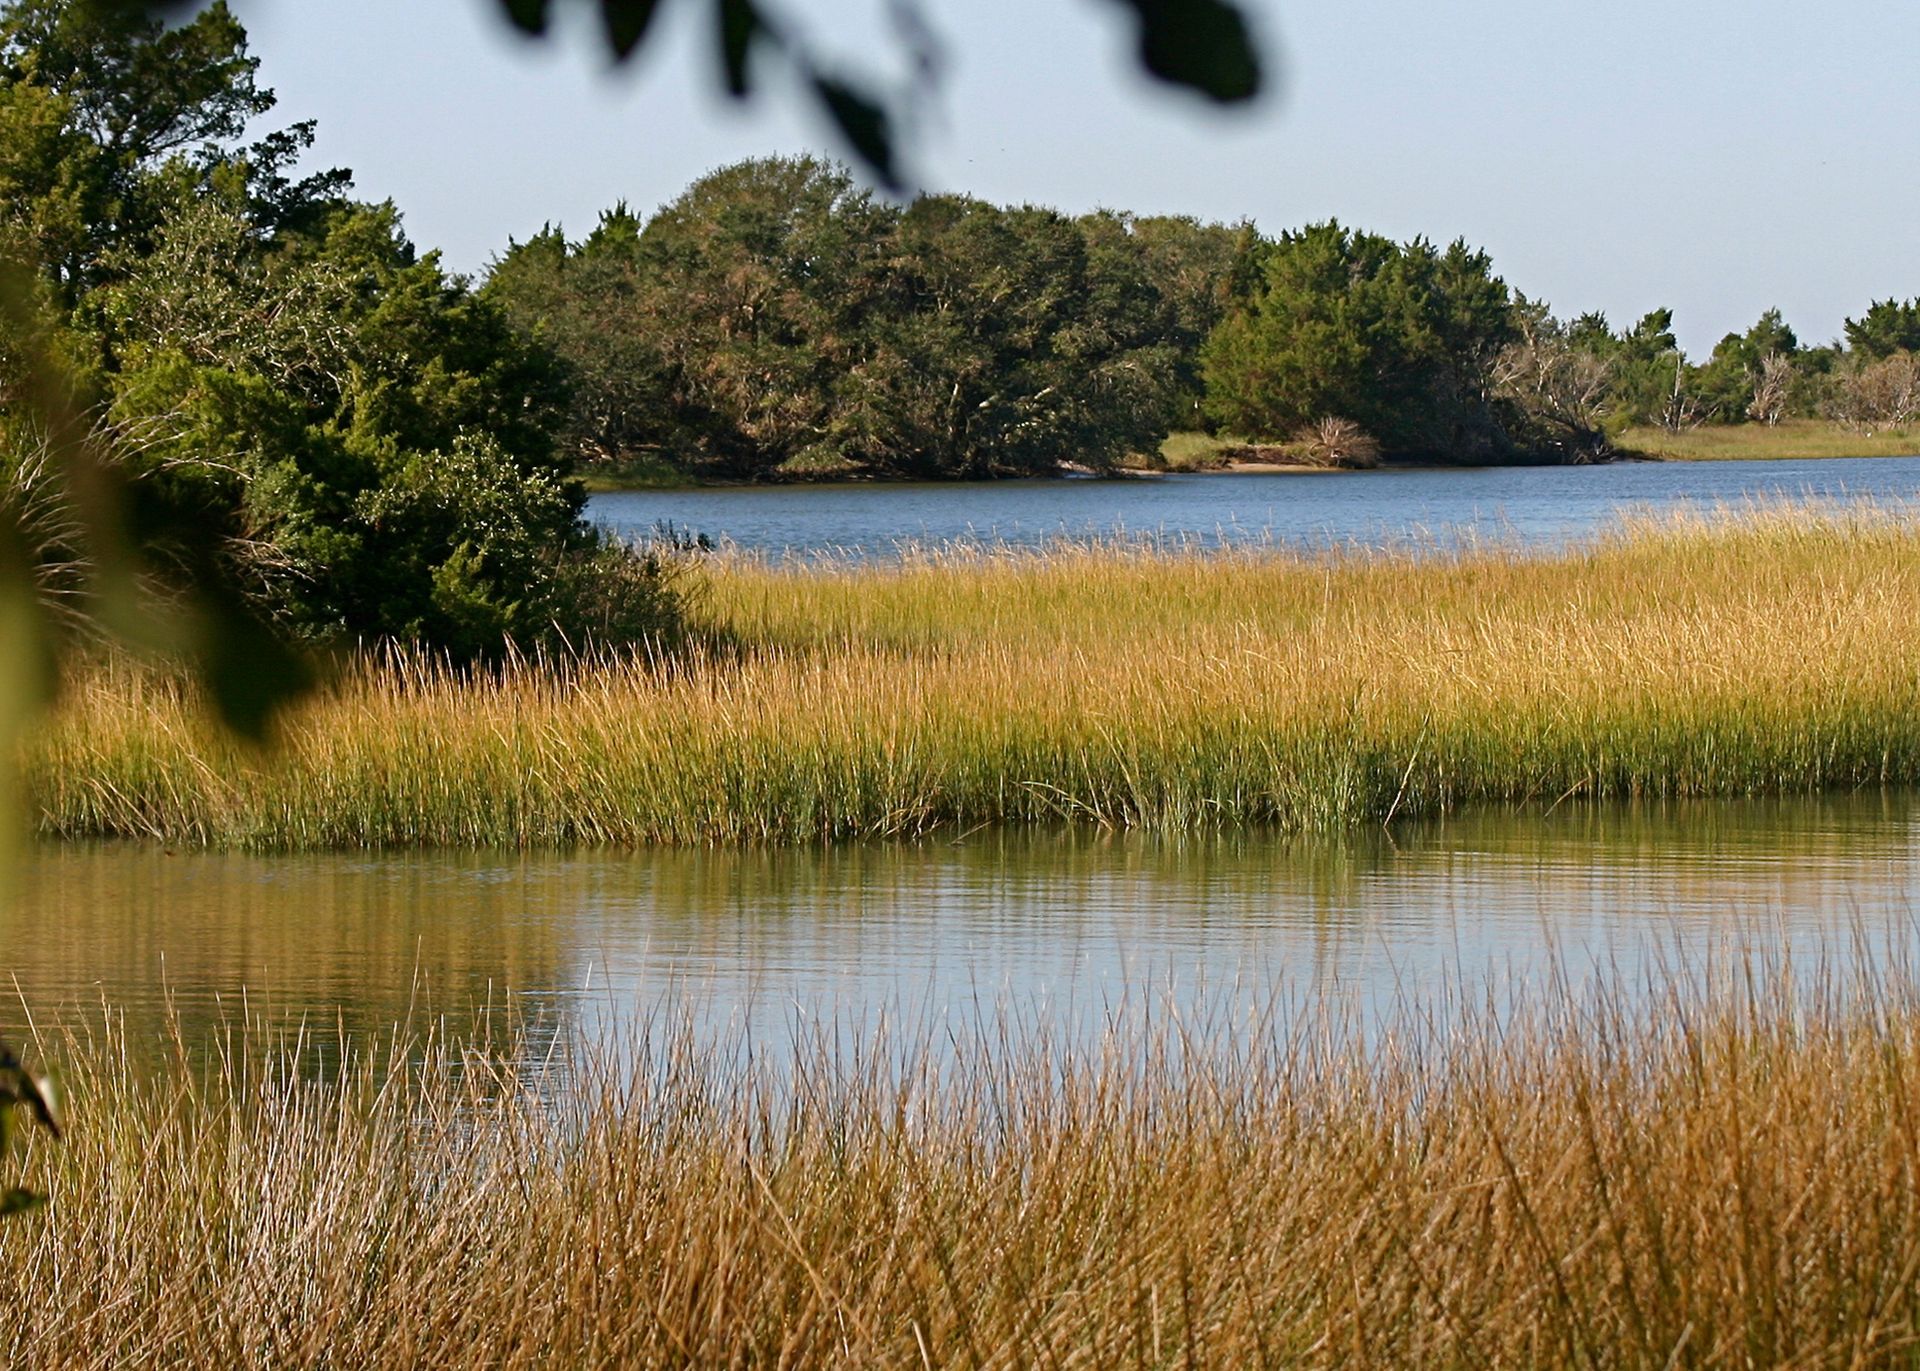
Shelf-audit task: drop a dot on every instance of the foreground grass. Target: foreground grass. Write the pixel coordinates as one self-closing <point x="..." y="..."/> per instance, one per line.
<point x="1754" y="442"/>
<point x="1168" y="690"/>
<point x="1717" y="1181"/>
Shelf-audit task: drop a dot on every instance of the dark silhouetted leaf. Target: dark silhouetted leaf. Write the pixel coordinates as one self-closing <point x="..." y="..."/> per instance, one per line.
<point x="740" y="25"/>
<point x="626" y="22"/>
<point x="864" y="122"/>
<point x="18" y="1201"/>
<point x="528" y="15"/>
<point x="1203" y="44"/>
<point x="249" y="671"/>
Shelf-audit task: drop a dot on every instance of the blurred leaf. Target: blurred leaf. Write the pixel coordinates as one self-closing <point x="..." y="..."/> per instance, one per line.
<point x="626" y="22"/>
<point x="924" y="48"/>
<point x="740" y="25"/>
<point x="20" y="1087"/>
<point x="528" y="15"/>
<point x="248" y="670"/>
<point x="18" y="1201"/>
<point x="26" y="682"/>
<point x="1203" y="44"/>
<point x="864" y="122"/>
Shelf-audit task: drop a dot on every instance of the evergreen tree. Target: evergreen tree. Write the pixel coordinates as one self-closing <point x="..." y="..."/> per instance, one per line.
<point x="1399" y="339"/>
<point x="1889" y="326"/>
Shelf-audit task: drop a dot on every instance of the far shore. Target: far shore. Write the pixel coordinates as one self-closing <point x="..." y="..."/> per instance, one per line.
<point x="1270" y="469"/>
<point x="1187" y="454"/>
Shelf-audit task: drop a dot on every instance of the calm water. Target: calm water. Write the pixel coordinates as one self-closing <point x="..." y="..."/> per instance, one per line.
<point x="1059" y="927"/>
<point x="1542" y="506"/>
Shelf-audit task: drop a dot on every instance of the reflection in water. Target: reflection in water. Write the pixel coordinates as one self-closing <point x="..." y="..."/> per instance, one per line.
<point x="1061" y="926"/>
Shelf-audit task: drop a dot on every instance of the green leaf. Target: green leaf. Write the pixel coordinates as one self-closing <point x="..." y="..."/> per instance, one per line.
<point x="740" y="25"/>
<point x="18" y="1201"/>
<point x="1202" y="44"/>
<point x="626" y="22"/>
<point x="530" y="16"/>
<point x="864" y="122"/>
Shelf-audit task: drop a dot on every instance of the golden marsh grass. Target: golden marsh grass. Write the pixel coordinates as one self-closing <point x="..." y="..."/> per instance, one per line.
<point x="1789" y="439"/>
<point x="1669" y="1179"/>
<point x="1170" y="689"/>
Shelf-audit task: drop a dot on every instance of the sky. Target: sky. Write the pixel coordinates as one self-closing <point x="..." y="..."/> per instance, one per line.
<point x="1719" y="157"/>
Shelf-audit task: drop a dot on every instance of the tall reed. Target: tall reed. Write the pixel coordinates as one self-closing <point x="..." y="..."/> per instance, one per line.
<point x="1728" y="1178"/>
<point x="1132" y="685"/>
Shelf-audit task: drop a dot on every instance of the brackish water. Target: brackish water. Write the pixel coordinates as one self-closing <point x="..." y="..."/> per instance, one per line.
<point x="1535" y="506"/>
<point x="1059" y="928"/>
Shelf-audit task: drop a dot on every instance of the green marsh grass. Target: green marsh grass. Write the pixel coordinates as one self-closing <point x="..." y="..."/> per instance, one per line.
<point x="1193" y="451"/>
<point x="1671" y="1177"/>
<point x="1171" y="689"/>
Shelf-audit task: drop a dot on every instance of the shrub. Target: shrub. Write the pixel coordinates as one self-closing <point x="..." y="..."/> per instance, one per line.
<point x="1336" y="442"/>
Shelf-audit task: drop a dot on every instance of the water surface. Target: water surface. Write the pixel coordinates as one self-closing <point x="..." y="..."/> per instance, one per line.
<point x="1536" y="506"/>
<point x="1061" y="927"/>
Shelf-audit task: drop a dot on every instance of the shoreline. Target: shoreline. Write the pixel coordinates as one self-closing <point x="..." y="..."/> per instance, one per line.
<point x="1192" y="454"/>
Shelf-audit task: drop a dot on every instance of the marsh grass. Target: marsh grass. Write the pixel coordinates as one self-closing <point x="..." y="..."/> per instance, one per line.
<point x="1674" y="1176"/>
<point x="1127" y="686"/>
<point x="1791" y="438"/>
<point x="1193" y="451"/>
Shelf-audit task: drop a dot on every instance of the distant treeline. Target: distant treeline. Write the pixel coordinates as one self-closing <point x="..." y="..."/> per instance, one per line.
<point x="776" y="320"/>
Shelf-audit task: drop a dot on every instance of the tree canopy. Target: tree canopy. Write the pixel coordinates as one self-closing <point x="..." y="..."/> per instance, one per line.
<point x="775" y="320"/>
<point x="1398" y="338"/>
<point x="340" y="433"/>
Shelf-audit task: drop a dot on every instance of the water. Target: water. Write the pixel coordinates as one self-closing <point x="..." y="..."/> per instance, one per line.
<point x="1059" y="927"/>
<point x="1537" y="506"/>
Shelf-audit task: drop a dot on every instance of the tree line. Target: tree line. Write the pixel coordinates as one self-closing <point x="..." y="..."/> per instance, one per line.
<point x="777" y="321"/>
<point x="372" y="446"/>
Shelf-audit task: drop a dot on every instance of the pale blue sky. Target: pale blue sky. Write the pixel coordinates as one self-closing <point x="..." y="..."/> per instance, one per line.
<point x="1719" y="156"/>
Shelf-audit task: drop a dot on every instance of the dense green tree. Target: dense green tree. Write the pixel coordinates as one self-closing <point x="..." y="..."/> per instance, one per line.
<point x="373" y="439"/>
<point x="1399" y="339"/>
<point x="588" y="305"/>
<point x="1643" y="362"/>
<point x="1888" y="326"/>
<point x="776" y="320"/>
<point x="1190" y="266"/>
<point x="95" y="97"/>
<point x="348" y="434"/>
<point x="1025" y="341"/>
<point x="1725" y="384"/>
<point x="760" y="278"/>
